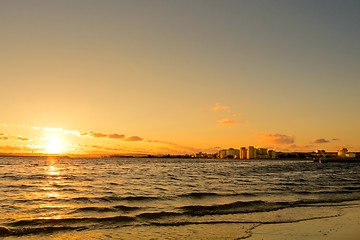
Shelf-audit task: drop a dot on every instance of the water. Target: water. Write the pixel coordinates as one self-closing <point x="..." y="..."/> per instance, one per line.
<point x="103" y="198"/>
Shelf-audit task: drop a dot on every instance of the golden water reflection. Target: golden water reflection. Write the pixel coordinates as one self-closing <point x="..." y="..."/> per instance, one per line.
<point x="50" y="190"/>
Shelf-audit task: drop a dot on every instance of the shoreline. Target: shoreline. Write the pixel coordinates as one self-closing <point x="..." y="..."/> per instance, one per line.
<point x="329" y="160"/>
<point x="345" y="227"/>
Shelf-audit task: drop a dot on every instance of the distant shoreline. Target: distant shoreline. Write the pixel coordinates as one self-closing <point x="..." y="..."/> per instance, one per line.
<point x="329" y="160"/>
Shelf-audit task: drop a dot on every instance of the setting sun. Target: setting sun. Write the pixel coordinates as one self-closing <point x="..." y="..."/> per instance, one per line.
<point x="54" y="145"/>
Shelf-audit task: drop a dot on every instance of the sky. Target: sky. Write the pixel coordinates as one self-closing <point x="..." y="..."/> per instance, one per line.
<point x="153" y="77"/>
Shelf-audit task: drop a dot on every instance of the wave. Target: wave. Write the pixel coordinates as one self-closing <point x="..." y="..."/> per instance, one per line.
<point x="6" y="232"/>
<point x="257" y="206"/>
<point x="121" y="208"/>
<point x="47" y="222"/>
<point x="112" y="199"/>
<point x="324" y="192"/>
<point x="185" y="223"/>
<point x="157" y="215"/>
<point x="232" y="208"/>
<point x="212" y="194"/>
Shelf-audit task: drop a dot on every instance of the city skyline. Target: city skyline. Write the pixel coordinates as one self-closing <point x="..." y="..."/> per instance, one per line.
<point x="156" y="77"/>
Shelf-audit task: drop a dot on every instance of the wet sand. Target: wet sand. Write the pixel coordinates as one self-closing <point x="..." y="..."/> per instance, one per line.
<point x="345" y="227"/>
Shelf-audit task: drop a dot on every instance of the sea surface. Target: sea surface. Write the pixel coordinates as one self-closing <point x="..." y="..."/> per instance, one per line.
<point x="130" y="198"/>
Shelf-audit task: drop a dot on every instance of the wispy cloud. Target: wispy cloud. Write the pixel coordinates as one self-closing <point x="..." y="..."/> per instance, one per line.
<point x="23" y="138"/>
<point x="227" y="122"/>
<point x="134" y="139"/>
<point x="112" y="136"/>
<point x="277" y="138"/>
<point x="301" y="148"/>
<point x="219" y="106"/>
<point x="116" y="136"/>
<point x="10" y="148"/>
<point x="51" y="129"/>
<point x="236" y="114"/>
<point x="320" y="140"/>
<point x="97" y="135"/>
<point x="74" y="132"/>
<point x="3" y="137"/>
<point x="229" y="113"/>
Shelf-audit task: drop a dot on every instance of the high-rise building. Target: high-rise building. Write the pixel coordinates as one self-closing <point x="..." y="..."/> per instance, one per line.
<point x="243" y="153"/>
<point x="251" y="152"/>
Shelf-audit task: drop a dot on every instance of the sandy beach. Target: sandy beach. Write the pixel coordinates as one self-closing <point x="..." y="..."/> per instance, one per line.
<point x="345" y="227"/>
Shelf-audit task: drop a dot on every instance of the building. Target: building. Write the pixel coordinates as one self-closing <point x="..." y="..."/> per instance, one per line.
<point x="261" y="153"/>
<point x="251" y="152"/>
<point x="271" y="153"/>
<point x="229" y="153"/>
<point x="243" y="153"/>
<point x="222" y="153"/>
<point x="233" y="153"/>
<point x="320" y="153"/>
<point x="342" y="152"/>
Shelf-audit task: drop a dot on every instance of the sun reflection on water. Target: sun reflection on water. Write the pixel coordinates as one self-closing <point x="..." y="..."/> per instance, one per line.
<point x="50" y="188"/>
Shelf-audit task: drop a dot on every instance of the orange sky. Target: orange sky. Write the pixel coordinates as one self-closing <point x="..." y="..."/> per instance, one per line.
<point x="116" y="77"/>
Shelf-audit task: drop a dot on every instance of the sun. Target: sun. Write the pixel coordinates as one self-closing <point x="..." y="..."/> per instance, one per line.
<point x="54" y="145"/>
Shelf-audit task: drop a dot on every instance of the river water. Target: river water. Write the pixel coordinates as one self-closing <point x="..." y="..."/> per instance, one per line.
<point x="130" y="198"/>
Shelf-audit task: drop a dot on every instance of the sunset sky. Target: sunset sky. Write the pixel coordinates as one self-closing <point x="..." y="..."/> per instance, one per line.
<point x="116" y="77"/>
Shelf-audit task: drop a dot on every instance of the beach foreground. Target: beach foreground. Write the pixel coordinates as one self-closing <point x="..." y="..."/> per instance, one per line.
<point x="345" y="227"/>
<point x="99" y="198"/>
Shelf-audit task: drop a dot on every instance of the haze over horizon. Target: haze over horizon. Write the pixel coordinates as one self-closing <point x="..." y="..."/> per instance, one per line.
<point x="151" y="77"/>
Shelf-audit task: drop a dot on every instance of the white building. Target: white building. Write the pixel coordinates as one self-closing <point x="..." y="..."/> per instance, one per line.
<point x="350" y="155"/>
<point x="342" y="152"/>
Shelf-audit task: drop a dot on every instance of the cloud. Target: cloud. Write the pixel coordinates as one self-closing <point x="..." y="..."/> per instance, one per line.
<point x="236" y="114"/>
<point x="335" y="139"/>
<point x="98" y="135"/>
<point x="23" y="138"/>
<point x="320" y="140"/>
<point x="133" y="139"/>
<point x="116" y="136"/>
<point x="4" y="138"/>
<point x="277" y="138"/>
<point x="178" y="148"/>
<point x="301" y="148"/>
<point x="111" y="136"/>
<point x="218" y="107"/>
<point x="227" y="122"/>
<point x="53" y="129"/>
<point x="73" y="132"/>
<point x="94" y="134"/>
<point x="10" y="148"/>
